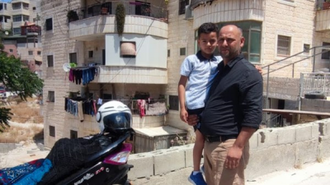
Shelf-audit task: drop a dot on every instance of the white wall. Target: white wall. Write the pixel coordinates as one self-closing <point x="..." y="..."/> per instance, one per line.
<point x="151" y="51"/>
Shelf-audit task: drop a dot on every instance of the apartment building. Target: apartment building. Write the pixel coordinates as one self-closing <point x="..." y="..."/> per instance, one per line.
<point x="19" y="20"/>
<point x="143" y="62"/>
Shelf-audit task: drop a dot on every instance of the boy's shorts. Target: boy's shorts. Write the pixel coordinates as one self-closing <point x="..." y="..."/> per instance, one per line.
<point x="198" y="112"/>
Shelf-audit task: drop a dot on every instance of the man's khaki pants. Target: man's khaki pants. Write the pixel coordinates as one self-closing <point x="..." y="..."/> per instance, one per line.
<point x="215" y="154"/>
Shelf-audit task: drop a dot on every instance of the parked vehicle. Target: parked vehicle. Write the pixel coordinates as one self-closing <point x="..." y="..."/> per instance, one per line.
<point x="2" y="91"/>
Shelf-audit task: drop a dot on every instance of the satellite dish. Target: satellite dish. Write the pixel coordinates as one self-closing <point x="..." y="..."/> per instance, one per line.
<point x="66" y="67"/>
<point x="6" y="33"/>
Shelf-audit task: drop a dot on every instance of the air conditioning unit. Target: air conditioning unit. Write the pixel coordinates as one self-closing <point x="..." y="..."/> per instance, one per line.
<point x="188" y="13"/>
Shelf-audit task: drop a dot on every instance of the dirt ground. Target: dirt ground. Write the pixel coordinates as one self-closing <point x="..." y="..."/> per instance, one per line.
<point x="26" y="130"/>
<point x="26" y="123"/>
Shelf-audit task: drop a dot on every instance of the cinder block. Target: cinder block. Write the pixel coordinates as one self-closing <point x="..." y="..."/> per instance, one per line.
<point x="306" y="151"/>
<point x="267" y="137"/>
<point x="168" y="161"/>
<point x="315" y="130"/>
<point x="327" y="127"/>
<point x="188" y="152"/>
<point x="143" y="165"/>
<point x="303" y="132"/>
<point x="324" y="148"/>
<point x="286" y="135"/>
<point x="253" y="142"/>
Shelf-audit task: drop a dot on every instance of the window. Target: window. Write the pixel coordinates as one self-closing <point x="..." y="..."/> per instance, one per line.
<point x="26" y="6"/>
<point x="142" y="8"/>
<point x="182" y="6"/>
<point x="90" y="54"/>
<point x="51" y="131"/>
<point x="182" y="51"/>
<point x="16" y="6"/>
<point x="49" y="24"/>
<point x="168" y="53"/>
<point x="17" y="18"/>
<point x="16" y="31"/>
<point x="174" y="102"/>
<point x="30" y="52"/>
<point x="73" y="134"/>
<point x="51" y="96"/>
<point x="50" y="61"/>
<point x="326" y="52"/>
<point x="38" y="52"/>
<point x="11" y="50"/>
<point x="73" y="58"/>
<point x="127" y="49"/>
<point x="108" y="6"/>
<point x="26" y="18"/>
<point x="283" y="45"/>
<point x="307" y="48"/>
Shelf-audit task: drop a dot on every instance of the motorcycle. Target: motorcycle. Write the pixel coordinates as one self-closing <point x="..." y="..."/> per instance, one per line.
<point x="100" y="159"/>
<point x="105" y="167"/>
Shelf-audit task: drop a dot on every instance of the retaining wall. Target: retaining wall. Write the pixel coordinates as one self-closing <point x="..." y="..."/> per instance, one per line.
<point x="271" y="149"/>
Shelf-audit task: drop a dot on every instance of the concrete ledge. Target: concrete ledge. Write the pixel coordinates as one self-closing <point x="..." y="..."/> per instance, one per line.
<point x="143" y="166"/>
<point x="271" y="149"/>
<point x="168" y="161"/>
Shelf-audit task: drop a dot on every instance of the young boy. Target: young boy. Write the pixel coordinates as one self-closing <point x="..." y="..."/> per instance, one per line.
<point x="198" y="70"/>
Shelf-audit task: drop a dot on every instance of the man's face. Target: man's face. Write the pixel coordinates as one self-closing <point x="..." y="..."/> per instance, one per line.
<point x="207" y="42"/>
<point x="230" y="42"/>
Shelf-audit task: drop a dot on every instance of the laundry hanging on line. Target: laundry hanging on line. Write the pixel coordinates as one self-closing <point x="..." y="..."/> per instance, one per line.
<point x="79" y="108"/>
<point x="82" y="75"/>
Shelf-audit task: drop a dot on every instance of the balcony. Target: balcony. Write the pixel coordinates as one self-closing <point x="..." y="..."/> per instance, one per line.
<point x="4" y="12"/>
<point x="99" y="19"/>
<point x="21" y="11"/>
<point x="227" y="11"/>
<point x="131" y="74"/>
<point x="90" y="28"/>
<point x="322" y="20"/>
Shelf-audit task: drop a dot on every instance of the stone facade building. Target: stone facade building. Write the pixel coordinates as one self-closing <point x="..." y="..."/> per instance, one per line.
<point x="144" y="61"/>
<point x="21" y="31"/>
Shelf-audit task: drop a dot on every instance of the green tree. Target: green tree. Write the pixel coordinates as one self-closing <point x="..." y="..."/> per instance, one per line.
<point x="18" y="78"/>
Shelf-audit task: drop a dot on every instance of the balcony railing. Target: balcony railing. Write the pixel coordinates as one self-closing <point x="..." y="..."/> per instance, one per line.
<point x="131" y="8"/>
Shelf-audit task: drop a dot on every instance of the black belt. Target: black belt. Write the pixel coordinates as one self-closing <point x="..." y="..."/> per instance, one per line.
<point x="211" y="139"/>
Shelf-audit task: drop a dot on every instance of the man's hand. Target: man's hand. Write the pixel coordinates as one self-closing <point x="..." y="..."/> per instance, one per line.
<point x="233" y="157"/>
<point x="259" y="69"/>
<point x="193" y="119"/>
<point x="184" y="115"/>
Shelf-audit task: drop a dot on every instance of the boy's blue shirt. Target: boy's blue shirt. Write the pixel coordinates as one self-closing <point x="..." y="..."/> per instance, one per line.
<point x="200" y="72"/>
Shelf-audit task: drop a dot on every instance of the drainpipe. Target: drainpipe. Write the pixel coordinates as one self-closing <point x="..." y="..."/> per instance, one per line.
<point x="301" y="87"/>
<point x="314" y="50"/>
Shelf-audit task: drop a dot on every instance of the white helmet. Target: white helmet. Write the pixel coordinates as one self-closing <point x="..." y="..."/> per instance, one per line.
<point x="114" y="117"/>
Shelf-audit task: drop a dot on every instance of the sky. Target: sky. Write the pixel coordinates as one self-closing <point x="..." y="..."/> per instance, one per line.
<point x="5" y="1"/>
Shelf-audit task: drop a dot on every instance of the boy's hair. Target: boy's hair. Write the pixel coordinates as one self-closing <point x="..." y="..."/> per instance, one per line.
<point x="207" y="28"/>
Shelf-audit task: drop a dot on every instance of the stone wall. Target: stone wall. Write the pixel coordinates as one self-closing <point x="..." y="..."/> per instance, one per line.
<point x="272" y="149"/>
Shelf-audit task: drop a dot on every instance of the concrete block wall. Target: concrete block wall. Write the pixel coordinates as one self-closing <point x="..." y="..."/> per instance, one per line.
<point x="282" y="88"/>
<point x="271" y="149"/>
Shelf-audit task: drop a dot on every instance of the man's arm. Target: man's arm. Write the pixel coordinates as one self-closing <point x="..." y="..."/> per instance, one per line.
<point x="251" y="105"/>
<point x="235" y="152"/>
<point x="182" y="91"/>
